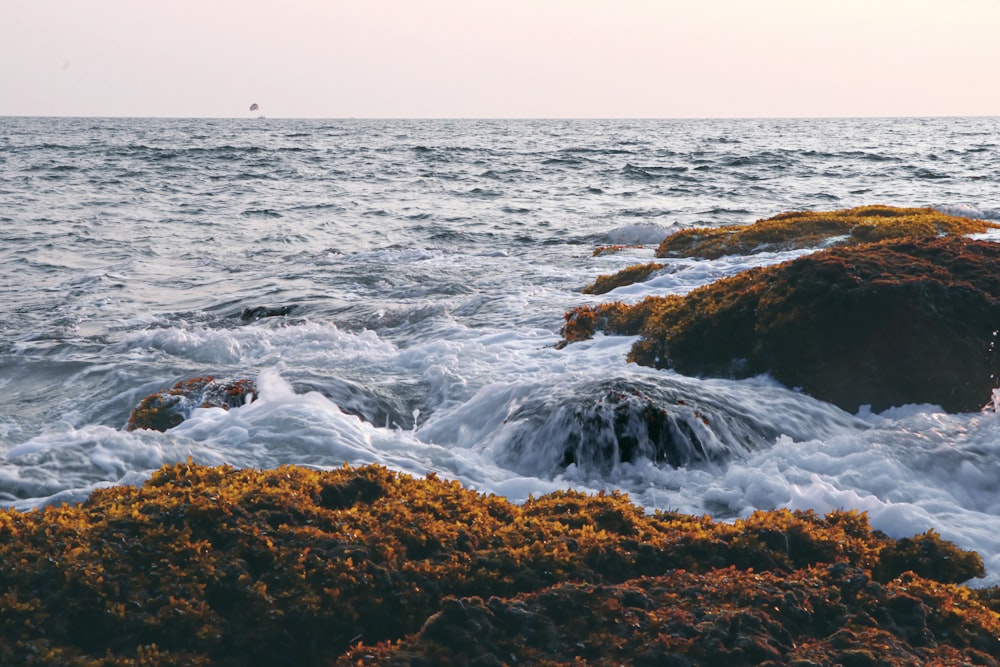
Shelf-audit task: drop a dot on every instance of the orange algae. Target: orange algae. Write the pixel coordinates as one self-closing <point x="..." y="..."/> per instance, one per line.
<point x="808" y="229"/>
<point x="887" y="323"/>
<point x="214" y="565"/>
<point x="627" y="276"/>
<point x="612" y="249"/>
<point x="168" y="408"/>
<point x="614" y="318"/>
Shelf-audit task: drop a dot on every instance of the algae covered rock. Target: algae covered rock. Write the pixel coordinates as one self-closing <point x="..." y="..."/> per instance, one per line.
<point x="830" y="615"/>
<point x="219" y="566"/>
<point x="633" y="274"/>
<point x="169" y="407"/>
<point x="882" y="324"/>
<point x="612" y="249"/>
<point x="814" y="229"/>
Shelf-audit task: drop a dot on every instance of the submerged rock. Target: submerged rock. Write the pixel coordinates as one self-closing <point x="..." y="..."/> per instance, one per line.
<point x="260" y="312"/>
<point x="169" y="407"/>
<point x="815" y="229"/>
<point x="597" y="425"/>
<point x="883" y="324"/>
<point x="293" y="566"/>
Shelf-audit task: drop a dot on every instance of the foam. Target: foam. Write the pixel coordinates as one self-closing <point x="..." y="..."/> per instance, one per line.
<point x="639" y="233"/>
<point x="260" y="344"/>
<point x="969" y="211"/>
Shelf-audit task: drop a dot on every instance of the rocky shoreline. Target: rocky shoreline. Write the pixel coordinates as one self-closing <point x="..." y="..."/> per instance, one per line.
<point x="365" y="566"/>
<point x="219" y="566"/>
<point x="908" y="319"/>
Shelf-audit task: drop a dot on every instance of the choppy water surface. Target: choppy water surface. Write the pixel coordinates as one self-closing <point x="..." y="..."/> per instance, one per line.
<point x="425" y="267"/>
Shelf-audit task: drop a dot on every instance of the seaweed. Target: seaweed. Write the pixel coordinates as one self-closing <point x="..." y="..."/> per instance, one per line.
<point x="221" y="566"/>
<point x="883" y="324"/>
<point x="627" y="276"/>
<point x="816" y="229"/>
<point x="168" y="408"/>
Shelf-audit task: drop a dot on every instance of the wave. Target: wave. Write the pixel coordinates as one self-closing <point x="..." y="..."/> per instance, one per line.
<point x="969" y="211"/>
<point x="640" y="233"/>
<point x="652" y="173"/>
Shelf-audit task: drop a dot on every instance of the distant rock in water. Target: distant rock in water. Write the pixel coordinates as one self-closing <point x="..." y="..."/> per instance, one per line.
<point x="260" y="312"/>
<point x="883" y="324"/>
<point x="816" y="229"/>
<point x="614" y="248"/>
<point x="169" y="407"/>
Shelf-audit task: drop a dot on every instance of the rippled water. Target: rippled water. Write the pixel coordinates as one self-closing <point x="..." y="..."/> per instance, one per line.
<point x="424" y="268"/>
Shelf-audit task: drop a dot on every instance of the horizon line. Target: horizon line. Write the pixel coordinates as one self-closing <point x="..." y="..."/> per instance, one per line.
<point x="500" y="118"/>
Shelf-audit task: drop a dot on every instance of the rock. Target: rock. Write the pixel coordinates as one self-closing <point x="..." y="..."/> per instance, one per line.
<point x="293" y="566"/>
<point x="613" y="318"/>
<point x="260" y="312"/>
<point x="615" y="248"/>
<point x="169" y="407"/>
<point x="633" y="274"/>
<point x="929" y="556"/>
<point x="816" y="229"/>
<point x="599" y="424"/>
<point x="883" y="324"/>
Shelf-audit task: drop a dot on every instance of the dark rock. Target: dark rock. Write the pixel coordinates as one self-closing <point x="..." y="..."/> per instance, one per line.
<point x="260" y="312"/>
<point x="885" y="324"/>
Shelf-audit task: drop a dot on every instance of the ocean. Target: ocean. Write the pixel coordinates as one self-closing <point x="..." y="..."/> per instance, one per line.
<point x="418" y="272"/>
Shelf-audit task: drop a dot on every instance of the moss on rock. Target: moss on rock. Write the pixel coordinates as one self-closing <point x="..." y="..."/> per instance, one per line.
<point x="627" y="276"/>
<point x="219" y="566"/>
<point x="612" y="249"/>
<point x="614" y="318"/>
<point x="169" y="407"/>
<point x="814" y="229"/>
<point x="882" y="324"/>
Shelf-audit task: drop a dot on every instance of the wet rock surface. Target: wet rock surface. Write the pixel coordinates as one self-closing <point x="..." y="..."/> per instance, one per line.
<point x="169" y="407"/>
<point x="597" y="425"/>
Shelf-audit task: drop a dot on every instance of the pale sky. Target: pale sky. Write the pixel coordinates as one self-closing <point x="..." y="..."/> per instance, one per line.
<point x="497" y="59"/>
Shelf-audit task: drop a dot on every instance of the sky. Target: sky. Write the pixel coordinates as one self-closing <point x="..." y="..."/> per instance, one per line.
<point x="500" y="59"/>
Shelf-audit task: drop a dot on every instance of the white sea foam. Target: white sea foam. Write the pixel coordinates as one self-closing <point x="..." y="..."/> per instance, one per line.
<point x="892" y="471"/>
<point x="256" y="345"/>
<point x="969" y="211"/>
<point x="638" y="233"/>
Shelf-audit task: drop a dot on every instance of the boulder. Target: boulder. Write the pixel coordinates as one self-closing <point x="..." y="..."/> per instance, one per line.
<point x="612" y="249"/>
<point x="169" y="407"/>
<point x="882" y="324"/>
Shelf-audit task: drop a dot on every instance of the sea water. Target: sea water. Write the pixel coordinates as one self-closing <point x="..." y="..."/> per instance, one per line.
<point x="422" y="269"/>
